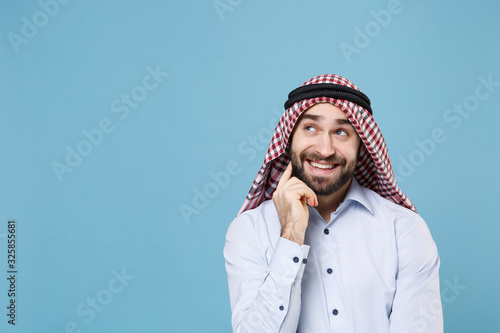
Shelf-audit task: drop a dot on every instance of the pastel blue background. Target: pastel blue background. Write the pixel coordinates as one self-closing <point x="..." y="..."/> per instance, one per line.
<point x="120" y="208"/>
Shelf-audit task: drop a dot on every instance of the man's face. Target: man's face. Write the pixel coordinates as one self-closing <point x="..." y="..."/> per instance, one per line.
<point x="325" y="148"/>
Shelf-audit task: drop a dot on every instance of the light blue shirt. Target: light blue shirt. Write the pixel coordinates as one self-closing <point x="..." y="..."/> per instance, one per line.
<point x="373" y="268"/>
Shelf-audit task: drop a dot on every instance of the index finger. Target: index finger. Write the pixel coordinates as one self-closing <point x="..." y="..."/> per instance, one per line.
<point x="286" y="175"/>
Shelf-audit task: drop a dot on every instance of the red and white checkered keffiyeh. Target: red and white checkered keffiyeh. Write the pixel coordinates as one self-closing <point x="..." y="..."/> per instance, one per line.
<point x="374" y="169"/>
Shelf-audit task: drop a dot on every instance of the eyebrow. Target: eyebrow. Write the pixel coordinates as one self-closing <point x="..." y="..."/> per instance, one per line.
<point x="314" y="117"/>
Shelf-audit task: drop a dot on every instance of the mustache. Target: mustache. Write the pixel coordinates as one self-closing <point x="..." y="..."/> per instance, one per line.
<point x="332" y="159"/>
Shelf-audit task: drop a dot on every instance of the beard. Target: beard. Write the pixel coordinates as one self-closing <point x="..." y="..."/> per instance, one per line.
<point x="323" y="186"/>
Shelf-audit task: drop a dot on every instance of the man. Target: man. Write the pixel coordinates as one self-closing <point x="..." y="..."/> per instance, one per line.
<point x="326" y="241"/>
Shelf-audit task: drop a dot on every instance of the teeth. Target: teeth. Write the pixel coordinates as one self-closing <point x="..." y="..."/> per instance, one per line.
<point x="321" y="166"/>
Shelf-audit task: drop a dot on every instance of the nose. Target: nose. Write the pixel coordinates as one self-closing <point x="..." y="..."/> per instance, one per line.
<point x="325" y="145"/>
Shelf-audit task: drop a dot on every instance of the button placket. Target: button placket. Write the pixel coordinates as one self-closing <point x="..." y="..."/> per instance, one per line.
<point x="330" y="281"/>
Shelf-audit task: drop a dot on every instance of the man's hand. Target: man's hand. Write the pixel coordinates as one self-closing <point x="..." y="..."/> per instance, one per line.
<point x="291" y="198"/>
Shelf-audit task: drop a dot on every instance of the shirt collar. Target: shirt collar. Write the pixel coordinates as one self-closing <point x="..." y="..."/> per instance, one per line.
<point x="357" y="193"/>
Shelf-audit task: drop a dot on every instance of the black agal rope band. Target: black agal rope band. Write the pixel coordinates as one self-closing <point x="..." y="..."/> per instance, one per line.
<point x="332" y="90"/>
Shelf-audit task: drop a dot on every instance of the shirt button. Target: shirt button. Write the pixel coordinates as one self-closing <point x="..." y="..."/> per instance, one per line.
<point x="335" y="312"/>
<point x="329" y="271"/>
<point x="304" y="261"/>
<point x="282" y="308"/>
<point x="295" y="259"/>
<point x="326" y="231"/>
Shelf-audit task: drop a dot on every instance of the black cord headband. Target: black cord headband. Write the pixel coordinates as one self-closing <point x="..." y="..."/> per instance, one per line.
<point x="332" y="90"/>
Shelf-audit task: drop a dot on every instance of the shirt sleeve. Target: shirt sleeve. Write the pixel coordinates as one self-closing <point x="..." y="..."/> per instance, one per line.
<point x="417" y="302"/>
<point x="264" y="294"/>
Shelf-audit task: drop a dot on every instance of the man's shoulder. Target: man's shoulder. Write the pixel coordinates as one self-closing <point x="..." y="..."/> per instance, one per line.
<point x="262" y="219"/>
<point x="385" y="207"/>
<point x="265" y="210"/>
<point x="403" y="220"/>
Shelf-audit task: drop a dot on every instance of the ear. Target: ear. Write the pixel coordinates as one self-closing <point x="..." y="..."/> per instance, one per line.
<point x="361" y="149"/>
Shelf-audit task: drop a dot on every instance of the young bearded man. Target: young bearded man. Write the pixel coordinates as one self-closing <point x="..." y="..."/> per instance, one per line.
<point x="326" y="241"/>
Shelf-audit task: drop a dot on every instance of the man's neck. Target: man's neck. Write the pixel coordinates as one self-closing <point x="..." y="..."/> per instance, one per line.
<point x="328" y="204"/>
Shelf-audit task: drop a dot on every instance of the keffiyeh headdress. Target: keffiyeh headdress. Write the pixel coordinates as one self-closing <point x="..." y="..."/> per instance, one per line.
<point x="373" y="170"/>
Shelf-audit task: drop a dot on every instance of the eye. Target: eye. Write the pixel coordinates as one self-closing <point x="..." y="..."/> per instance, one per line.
<point x="309" y="128"/>
<point x="340" y="132"/>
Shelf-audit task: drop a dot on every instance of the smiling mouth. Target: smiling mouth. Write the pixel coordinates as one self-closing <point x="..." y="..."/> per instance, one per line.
<point x="321" y="166"/>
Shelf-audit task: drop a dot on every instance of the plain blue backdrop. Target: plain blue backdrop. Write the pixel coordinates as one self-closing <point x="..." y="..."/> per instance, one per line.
<point x="131" y="131"/>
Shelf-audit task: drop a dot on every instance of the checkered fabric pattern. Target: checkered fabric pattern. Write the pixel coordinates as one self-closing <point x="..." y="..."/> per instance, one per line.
<point x="374" y="169"/>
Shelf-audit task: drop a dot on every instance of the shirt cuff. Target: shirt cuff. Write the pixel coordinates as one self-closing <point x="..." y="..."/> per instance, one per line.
<point x="288" y="257"/>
